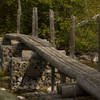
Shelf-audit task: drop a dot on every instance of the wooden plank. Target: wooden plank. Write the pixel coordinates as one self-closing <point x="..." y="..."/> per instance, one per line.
<point x="44" y="43"/>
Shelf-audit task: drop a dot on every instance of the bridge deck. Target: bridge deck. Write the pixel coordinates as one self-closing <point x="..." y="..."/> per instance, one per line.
<point x="88" y="78"/>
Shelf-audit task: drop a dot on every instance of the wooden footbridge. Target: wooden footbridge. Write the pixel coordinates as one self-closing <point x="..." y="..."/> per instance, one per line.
<point x="86" y="77"/>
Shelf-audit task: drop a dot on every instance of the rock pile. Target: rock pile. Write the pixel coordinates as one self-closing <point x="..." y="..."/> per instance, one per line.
<point x="18" y="68"/>
<point x="32" y="73"/>
<point x="27" y="69"/>
<point x="7" y="53"/>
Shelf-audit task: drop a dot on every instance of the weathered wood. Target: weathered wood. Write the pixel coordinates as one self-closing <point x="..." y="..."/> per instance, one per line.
<point x="64" y="64"/>
<point x="99" y="43"/>
<point x="63" y="78"/>
<point x="35" y="22"/>
<point x="72" y="38"/>
<point x="70" y="90"/>
<point x="19" y="17"/>
<point x="52" y="77"/>
<point x="52" y="29"/>
<point x="89" y="86"/>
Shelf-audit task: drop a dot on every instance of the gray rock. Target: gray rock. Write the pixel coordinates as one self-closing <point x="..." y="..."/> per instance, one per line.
<point x="27" y="54"/>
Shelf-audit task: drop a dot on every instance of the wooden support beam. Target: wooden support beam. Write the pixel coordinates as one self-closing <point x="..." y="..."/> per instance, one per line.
<point x="72" y="37"/>
<point x="52" y="77"/>
<point x="99" y="43"/>
<point x="19" y="17"/>
<point x="71" y="90"/>
<point x="63" y="78"/>
<point x="52" y="29"/>
<point x="35" y="22"/>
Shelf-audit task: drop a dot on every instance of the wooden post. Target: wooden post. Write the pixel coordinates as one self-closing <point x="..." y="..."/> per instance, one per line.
<point x="63" y="78"/>
<point x="72" y="38"/>
<point x="35" y="22"/>
<point x="52" y="40"/>
<point x="99" y="43"/>
<point x="52" y="77"/>
<point x="19" y="17"/>
<point x="52" y="29"/>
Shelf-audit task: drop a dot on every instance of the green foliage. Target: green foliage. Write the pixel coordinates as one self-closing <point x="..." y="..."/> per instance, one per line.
<point x="3" y="74"/>
<point x="86" y="38"/>
<point x="82" y="9"/>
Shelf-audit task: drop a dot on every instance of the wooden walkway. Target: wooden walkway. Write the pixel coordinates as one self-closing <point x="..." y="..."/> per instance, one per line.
<point x="88" y="78"/>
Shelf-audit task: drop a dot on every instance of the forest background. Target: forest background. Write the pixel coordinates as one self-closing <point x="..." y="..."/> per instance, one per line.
<point x="86" y="36"/>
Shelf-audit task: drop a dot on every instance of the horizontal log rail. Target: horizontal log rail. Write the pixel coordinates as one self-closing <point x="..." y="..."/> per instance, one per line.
<point x="88" y="78"/>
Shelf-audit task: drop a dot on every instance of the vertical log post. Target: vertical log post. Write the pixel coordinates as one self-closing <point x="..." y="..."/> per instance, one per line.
<point x="52" y="40"/>
<point x="52" y="29"/>
<point x="18" y="17"/>
<point x="52" y="77"/>
<point x="63" y="78"/>
<point x="72" y="37"/>
<point x="99" y="43"/>
<point x="35" y="22"/>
